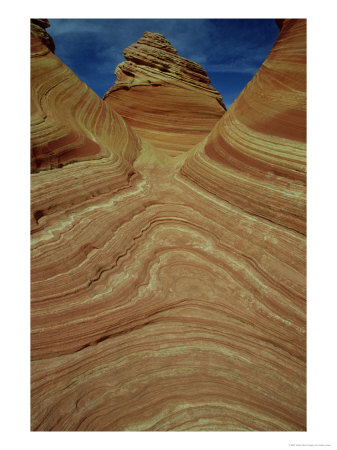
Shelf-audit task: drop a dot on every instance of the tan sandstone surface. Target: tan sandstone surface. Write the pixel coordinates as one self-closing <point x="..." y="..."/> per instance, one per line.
<point x="168" y="287"/>
<point x="166" y="98"/>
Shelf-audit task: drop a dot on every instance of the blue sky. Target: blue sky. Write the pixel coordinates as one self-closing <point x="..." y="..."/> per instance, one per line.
<point x="230" y="50"/>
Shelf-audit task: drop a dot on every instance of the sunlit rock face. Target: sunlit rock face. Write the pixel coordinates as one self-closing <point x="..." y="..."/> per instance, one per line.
<point x="169" y="293"/>
<point x="166" y="98"/>
<point x="70" y="124"/>
<point x="255" y="157"/>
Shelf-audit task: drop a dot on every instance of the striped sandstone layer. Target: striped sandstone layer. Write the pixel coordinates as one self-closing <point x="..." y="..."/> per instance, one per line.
<point x="71" y="124"/>
<point x="163" y="305"/>
<point x="255" y="156"/>
<point x="166" y="98"/>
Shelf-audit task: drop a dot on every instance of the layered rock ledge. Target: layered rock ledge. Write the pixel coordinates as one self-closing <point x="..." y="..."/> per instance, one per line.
<point x="169" y="294"/>
<point x="255" y="156"/>
<point x="166" y="98"/>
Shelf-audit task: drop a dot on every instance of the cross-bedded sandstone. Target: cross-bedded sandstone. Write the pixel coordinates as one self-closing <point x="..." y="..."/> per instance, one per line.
<point x="169" y="293"/>
<point x="166" y="98"/>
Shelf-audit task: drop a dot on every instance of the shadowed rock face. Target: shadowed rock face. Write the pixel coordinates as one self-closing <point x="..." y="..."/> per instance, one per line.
<point x="169" y="293"/>
<point x="69" y="123"/>
<point x="38" y="31"/>
<point x="166" y="98"/>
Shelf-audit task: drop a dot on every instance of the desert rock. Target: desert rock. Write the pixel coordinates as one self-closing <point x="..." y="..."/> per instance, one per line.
<point x="255" y="156"/>
<point x="169" y="294"/>
<point x="166" y="98"/>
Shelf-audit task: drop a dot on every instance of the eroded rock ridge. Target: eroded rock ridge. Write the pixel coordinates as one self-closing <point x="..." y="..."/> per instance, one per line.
<point x="166" y="98"/>
<point x="168" y="294"/>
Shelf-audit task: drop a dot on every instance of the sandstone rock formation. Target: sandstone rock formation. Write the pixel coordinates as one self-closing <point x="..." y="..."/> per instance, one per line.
<point x="69" y="124"/>
<point x="256" y="154"/>
<point x="166" y="98"/>
<point x="169" y="293"/>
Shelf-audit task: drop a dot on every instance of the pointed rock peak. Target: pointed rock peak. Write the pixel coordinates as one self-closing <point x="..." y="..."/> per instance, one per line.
<point x="157" y="40"/>
<point x="43" y="23"/>
<point x="154" y="50"/>
<point x="38" y="31"/>
<point x="166" y="98"/>
<point x="152" y="60"/>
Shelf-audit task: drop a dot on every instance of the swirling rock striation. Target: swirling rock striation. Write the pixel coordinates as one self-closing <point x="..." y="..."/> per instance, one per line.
<point x="255" y="156"/>
<point x="166" y="98"/>
<point x="71" y="124"/>
<point x="159" y="299"/>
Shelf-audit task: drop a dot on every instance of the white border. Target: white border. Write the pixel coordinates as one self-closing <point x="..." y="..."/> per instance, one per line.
<point x="322" y="225"/>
